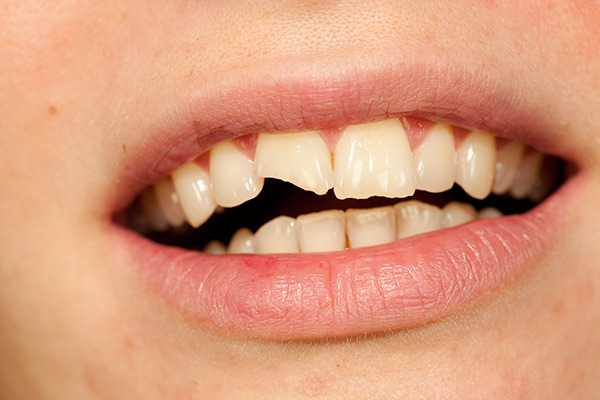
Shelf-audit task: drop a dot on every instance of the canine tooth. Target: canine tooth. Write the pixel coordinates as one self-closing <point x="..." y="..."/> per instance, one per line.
<point x="193" y="187"/>
<point x="489" y="212"/>
<point x="151" y="209"/>
<point x="167" y="198"/>
<point x="414" y="217"/>
<point x="301" y="158"/>
<point x="476" y="159"/>
<point x="214" y="247"/>
<point x="507" y="165"/>
<point x="232" y="176"/>
<point x="370" y="227"/>
<point x="528" y="173"/>
<point x="455" y="213"/>
<point x="322" y="231"/>
<point x="435" y="160"/>
<point x="374" y="160"/>
<point x="242" y="242"/>
<point x="277" y="236"/>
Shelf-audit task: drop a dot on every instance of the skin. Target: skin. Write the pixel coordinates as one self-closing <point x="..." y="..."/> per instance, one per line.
<point x="78" y="82"/>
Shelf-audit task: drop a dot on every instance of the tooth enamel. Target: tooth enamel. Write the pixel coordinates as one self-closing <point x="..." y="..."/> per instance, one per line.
<point x="507" y="165"/>
<point x="277" y="236"/>
<point x="370" y="227"/>
<point x="374" y="160"/>
<point x="414" y="217"/>
<point x="455" y="213"/>
<point x="152" y="211"/>
<point x="322" y="231"/>
<point x="232" y="176"/>
<point x="301" y="158"/>
<point x="529" y="171"/>
<point x="168" y="200"/>
<point x="489" y="212"/>
<point x="546" y="180"/>
<point x="214" y="247"/>
<point x="476" y="159"/>
<point x="193" y="187"/>
<point x="435" y="160"/>
<point x="242" y="242"/>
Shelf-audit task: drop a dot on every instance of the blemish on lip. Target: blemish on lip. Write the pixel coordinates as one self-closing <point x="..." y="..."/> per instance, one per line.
<point x="52" y="110"/>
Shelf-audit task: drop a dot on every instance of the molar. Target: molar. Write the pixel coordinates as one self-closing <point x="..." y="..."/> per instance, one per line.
<point x="322" y="231"/>
<point x="167" y="198"/>
<point x="152" y="211"/>
<point x="508" y="158"/>
<point x="435" y="160"/>
<point x="527" y="175"/>
<point x="476" y="159"/>
<point x="194" y="189"/>
<point x="370" y="227"/>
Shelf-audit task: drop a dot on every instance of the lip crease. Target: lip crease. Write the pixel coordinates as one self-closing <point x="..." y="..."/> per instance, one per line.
<point x="400" y="285"/>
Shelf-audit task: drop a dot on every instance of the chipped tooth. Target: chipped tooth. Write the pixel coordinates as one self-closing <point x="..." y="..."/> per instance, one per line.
<point x="455" y="213"/>
<point x="489" y="212"/>
<point x="277" y="236"/>
<point x="435" y="160"/>
<point x="152" y="211"/>
<point x="214" y="247"/>
<point x="322" y="231"/>
<point x="300" y="158"/>
<point x="414" y="217"/>
<point x="374" y="159"/>
<point x="370" y="227"/>
<point x="529" y="171"/>
<point x="242" y="242"/>
<point x="507" y="165"/>
<point x="167" y="198"/>
<point x="232" y="176"/>
<point x="193" y="187"/>
<point x="476" y="158"/>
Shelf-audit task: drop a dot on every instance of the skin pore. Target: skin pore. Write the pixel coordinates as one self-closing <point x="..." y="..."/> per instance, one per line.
<point x="86" y="87"/>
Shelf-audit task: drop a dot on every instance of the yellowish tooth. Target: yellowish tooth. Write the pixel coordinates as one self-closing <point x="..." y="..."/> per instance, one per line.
<point x="214" y="247"/>
<point x="507" y="165"/>
<point x="435" y="160"/>
<point x="242" y="242"/>
<point x="489" y="212"/>
<point x="151" y="209"/>
<point x="414" y="217"/>
<point x="370" y="227"/>
<point x="529" y="172"/>
<point x="322" y="231"/>
<point x="300" y="158"/>
<point x="194" y="189"/>
<point x="374" y="159"/>
<point x="476" y="158"/>
<point x="232" y="176"/>
<point x="455" y="213"/>
<point x="277" y="236"/>
<point x="167" y="198"/>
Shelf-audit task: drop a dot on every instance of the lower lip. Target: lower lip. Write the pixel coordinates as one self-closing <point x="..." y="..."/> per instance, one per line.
<point x="395" y="286"/>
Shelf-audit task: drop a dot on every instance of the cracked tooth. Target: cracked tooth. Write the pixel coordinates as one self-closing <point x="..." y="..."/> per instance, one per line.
<point x="414" y="217"/>
<point x="528" y="174"/>
<point x="277" y="236"/>
<point x="167" y="198"/>
<point x="152" y="211"/>
<point x="193" y="187"/>
<point x="489" y="212"/>
<point x="370" y="227"/>
<point x="507" y="164"/>
<point x="374" y="159"/>
<point x="214" y="247"/>
<point x="232" y="176"/>
<point x="300" y="158"/>
<point x="322" y="231"/>
<point x="476" y="158"/>
<point x="242" y="242"/>
<point x="455" y="213"/>
<point x="435" y="160"/>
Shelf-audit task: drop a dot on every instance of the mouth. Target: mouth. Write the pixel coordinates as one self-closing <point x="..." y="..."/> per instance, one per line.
<point x="370" y="221"/>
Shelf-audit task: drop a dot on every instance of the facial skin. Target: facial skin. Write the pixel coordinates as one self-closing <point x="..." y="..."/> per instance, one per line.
<point x="81" y="82"/>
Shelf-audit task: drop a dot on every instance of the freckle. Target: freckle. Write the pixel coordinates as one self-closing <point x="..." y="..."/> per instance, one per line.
<point x="124" y="146"/>
<point x="52" y="110"/>
<point x="124" y="15"/>
<point x="191" y="72"/>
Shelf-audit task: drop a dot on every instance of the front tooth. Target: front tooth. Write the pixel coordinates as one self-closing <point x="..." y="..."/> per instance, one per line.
<point x="528" y="173"/>
<point x="151" y="209"/>
<point x="277" y="236"/>
<point x="435" y="160"/>
<point x="507" y="165"/>
<point x="489" y="212"/>
<point x="193" y="187"/>
<point x="414" y="217"/>
<point x="476" y="159"/>
<point x="300" y="158"/>
<point x="322" y="231"/>
<point x="232" y="176"/>
<point x="214" y="247"/>
<point x="167" y="198"/>
<point x="242" y="242"/>
<point x="374" y="160"/>
<point x="455" y="213"/>
<point x="370" y="227"/>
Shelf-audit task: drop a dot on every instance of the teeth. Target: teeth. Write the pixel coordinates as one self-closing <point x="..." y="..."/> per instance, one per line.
<point x="528" y="173"/>
<point x="435" y="160"/>
<point x="300" y="158"/>
<point x="414" y="217"/>
<point x="322" y="231"/>
<point x="232" y="176"/>
<point x="168" y="200"/>
<point x="242" y="242"/>
<point x="455" y="213"/>
<point x="277" y="236"/>
<point x="476" y="158"/>
<point x="214" y="247"/>
<point x="193" y="187"/>
<point x="507" y="166"/>
<point x="370" y="227"/>
<point x="489" y="212"/>
<point x="374" y="160"/>
<point x="151" y="209"/>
